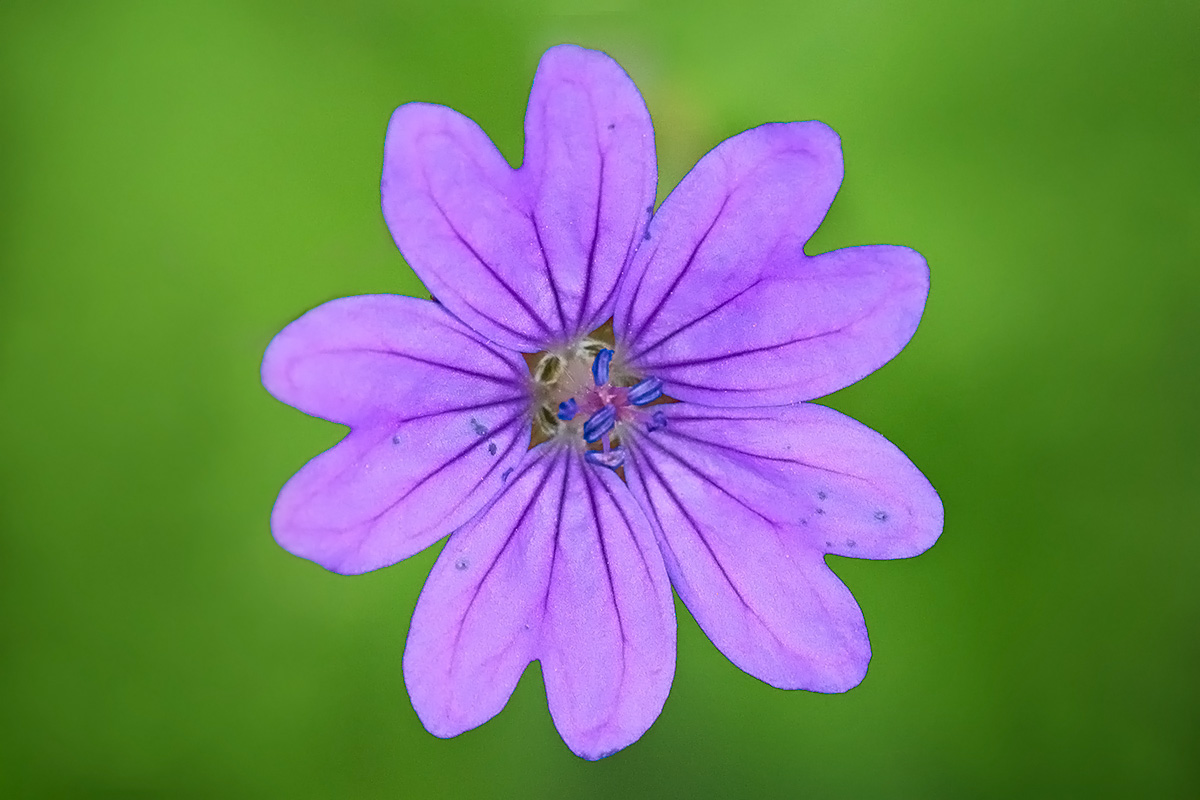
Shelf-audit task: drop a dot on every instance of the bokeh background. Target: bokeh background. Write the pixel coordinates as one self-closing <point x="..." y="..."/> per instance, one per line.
<point x="178" y="180"/>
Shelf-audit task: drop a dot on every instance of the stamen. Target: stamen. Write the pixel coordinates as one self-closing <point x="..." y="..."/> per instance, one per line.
<point x="658" y="421"/>
<point x="613" y="459"/>
<point x="600" y="367"/>
<point x="567" y="410"/>
<point x="645" y="391"/>
<point x="600" y="423"/>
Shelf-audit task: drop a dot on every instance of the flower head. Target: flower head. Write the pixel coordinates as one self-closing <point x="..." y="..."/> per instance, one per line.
<point x="606" y="402"/>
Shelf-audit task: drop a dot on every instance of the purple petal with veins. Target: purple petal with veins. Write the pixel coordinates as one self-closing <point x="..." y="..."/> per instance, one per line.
<point x="562" y="568"/>
<point x="745" y="502"/>
<point x="530" y="257"/>
<point x="722" y="303"/>
<point x="436" y="416"/>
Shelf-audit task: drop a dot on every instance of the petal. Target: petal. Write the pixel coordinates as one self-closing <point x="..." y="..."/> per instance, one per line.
<point x="374" y="358"/>
<point x="608" y="651"/>
<point x="561" y="567"/>
<point x="477" y="623"/>
<point x="525" y="257"/>
<point x="458" y="214"/>
<point x="754" y="198"/>
<point x="733" y="496"/>
<point x="437" y="418"/>
<point x="590" y="164"/>
<point x="723" y="305"/>
<point x="837" y="485"/>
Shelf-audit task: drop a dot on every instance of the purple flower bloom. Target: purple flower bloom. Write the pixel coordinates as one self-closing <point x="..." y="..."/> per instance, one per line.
<point x="566" y="308"/>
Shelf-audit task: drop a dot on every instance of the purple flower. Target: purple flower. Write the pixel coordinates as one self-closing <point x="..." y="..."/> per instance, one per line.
<point x="570" y="312"/>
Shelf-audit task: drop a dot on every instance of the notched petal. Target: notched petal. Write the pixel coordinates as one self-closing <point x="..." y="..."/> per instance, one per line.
<point x="608" y="653"/>
<point x="530" y="257"/>
<point x="796" y="334"/>
<point x="590" y="165"/>
<point x="835" y="484"/>
<point x="478" y="621"/>
<point x="384" y="493"/>
<point x="745" y="502"/>
<point x="752" y="200"/>
<point x="774" y="609"/>
<point x="561" y="568"/>
<point x="437" y="415"/>
<point x="366" y="359"/>
<point x="724" y="305"/>
<point x="459" y="216"/>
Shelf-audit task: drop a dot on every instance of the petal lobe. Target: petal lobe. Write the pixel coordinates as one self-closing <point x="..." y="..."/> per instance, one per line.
<point x="563" y="568"/>
<point x="436" y="417"/>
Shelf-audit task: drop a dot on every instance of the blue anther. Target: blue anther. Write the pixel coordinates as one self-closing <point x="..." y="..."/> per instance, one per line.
<point x="600" y="367"/>
<point x="645" y="391"/>
<point x="567" y="410"/>
<point x="658" y="421"/>
<point x="612" y="459"/>
<point x="599" y="423"/>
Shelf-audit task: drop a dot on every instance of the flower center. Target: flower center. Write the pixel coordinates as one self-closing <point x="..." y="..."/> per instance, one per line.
<point x="584" y="396"/>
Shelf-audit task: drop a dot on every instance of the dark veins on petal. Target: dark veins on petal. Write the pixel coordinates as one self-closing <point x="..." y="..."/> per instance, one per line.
<point x="680" y="421"/>
<point x="707" y="546"/>
<point x="666" y="486"/>
<point x="486" y="376"/>
<point x="643" y="351"/>
<point x="512" y="535"/>
<point x="490" y="269"/>
<point x="612" y="592"/>
<point x="537" y="232"/>
<point x="707" y="478"/>
<point x="437" y="470"/>
<point x="455" y="409"/>
<point x="662" y="300"/>
<point x="587" y="281"/>
<point x="562" y="501"/>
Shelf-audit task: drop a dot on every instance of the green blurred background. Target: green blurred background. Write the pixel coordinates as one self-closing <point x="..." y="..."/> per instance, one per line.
<point x="180" y="180"/>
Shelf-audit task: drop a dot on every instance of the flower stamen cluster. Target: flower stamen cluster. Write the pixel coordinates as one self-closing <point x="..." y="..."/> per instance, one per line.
<point x="585" y="397"/>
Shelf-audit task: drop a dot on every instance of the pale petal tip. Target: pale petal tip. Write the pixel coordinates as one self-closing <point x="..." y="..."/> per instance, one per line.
<point x="598" y="744"/>
<point x="847" y="674"/>
<point x="929" y="520"/>
<point x="324" y="551"/>
<point x="571" y="56"/>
